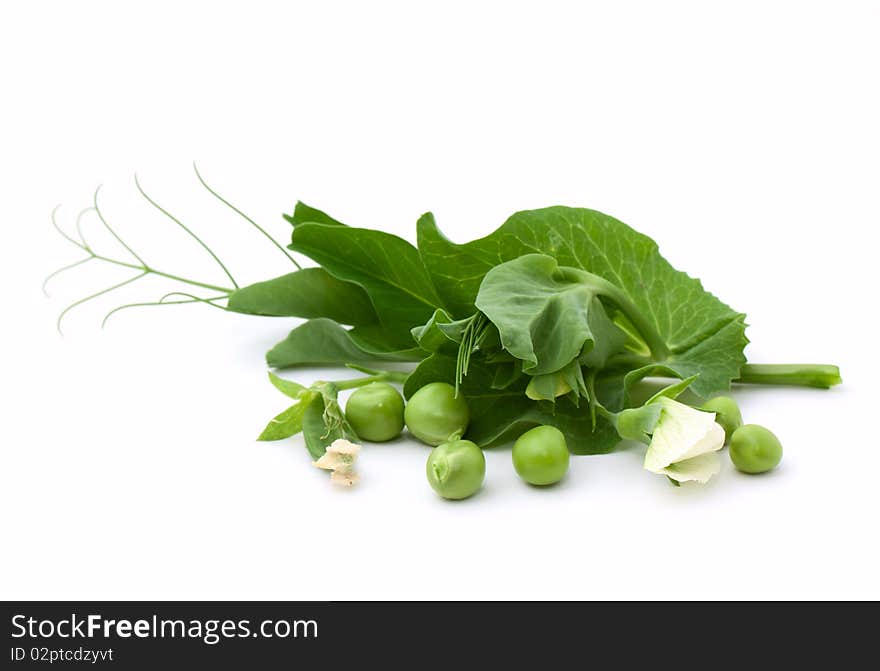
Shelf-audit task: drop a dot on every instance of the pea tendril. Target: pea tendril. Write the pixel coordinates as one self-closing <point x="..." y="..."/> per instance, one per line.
<point x="185" y="228"/>
<point x="245" y="217"/>
<point x="140" y="265"/>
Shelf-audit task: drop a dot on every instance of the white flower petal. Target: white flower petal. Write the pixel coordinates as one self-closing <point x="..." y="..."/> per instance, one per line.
<point x="346" y="479"/>
<point x="340" y="457"/>
<point x="682" y="433"/>
<point x="698" y="469"/>
<point x="343" y="446"/>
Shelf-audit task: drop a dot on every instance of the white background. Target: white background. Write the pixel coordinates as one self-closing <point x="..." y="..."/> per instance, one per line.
<point x="743" y="136"/>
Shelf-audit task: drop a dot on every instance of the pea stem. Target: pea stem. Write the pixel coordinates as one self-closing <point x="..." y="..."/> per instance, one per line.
<point x="377" y="376"/>
<point x="148" y="269"/>
<point x="822" y="376"/>
<point x="655" y="342"/>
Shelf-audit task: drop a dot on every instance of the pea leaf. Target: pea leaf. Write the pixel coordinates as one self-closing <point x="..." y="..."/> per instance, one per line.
<point x="303" y="213"/>
<point x="703" y="334"/>
<point x="386" y="267"/>
<point x="549" y="386"/>
<point x="506" y="373"/>
<point x="308" y="293"/>
<point x="639" y="423"/>
<point x="435" y="368"/>
<point x="290" y="422"/>
<point x="324" y="342"/>
<point x="457" y="270"/>
<point x="716" y="359"/>
<point x="286" y="387"/>
<point x="547" y="316"/>
<point x="582" y="433"/>
<point x="430" y="336"/>
<point x="440" y="333"/>
<point x="576" y="424"/>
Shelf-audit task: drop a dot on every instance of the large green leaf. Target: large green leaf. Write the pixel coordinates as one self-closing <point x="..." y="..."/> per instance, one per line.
<point x="456" y="270"/>
<point x="303" y="213"/>
<point x="387" y="267"/>
<point x="308" y="293"/>
<point x="576" y="423"/>
<point x="324" y="342"/>
<point x="547" y="316"/>
<point x="703" y="334"/>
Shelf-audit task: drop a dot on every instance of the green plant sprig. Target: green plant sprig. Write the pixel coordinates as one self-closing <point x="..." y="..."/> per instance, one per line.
<point x="557" y="317"/>
<point x="140" y="265"/>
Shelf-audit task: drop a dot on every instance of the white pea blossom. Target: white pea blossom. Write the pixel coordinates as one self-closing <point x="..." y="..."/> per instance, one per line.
<point x="685" y="443"/>
<point x="340" y="458"/>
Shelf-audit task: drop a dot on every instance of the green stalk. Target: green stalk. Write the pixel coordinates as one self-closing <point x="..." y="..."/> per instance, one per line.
<point x="377" y="376"/>
<point x="178" y="278"/>
<point x="654" y="341"/>
<point x="821" y="376"/>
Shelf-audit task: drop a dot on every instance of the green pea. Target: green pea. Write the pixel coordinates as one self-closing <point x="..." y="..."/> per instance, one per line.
<point x="434" y="415"/>
<point x="727" y="414"/>
<point x="375" y="412"/>
<point x="540" y="456"/>
<point x="754" y="449"/>
<point x="456" y="469"/>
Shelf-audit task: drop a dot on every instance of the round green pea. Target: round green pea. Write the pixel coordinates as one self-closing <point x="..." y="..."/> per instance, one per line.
<point x="434" y="415"/>
<point x="754" y="449"/>
<point x="456" y="469"/>
<point x="540" y="455"/>
<point x="727" y="414"/>
<point x="375" y="412"/>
